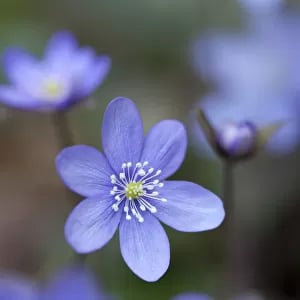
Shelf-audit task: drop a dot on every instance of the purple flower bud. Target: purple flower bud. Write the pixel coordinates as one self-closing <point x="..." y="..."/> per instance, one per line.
<point x="236" y="139"/>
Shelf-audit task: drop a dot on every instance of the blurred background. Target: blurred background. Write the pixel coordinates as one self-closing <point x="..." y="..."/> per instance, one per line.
<point x="150" y="45"/>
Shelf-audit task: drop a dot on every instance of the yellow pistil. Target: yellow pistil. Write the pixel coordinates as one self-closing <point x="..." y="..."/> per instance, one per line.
<point x="53" y="88"/>
<point x="134" y="190"/>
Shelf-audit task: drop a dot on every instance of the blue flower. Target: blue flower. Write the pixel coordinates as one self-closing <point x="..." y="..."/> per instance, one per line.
<point x="196" y="296"/>
<point x="17" y="287"/>
<point x="66" y="75"/>
<point x="258" y="61"/>
<point x="248" y="116"/>
<point x="192" y="296"/>
<point x="125" y="188"/>
<point x="72" y="282"/>
<point x="261" y="6"/>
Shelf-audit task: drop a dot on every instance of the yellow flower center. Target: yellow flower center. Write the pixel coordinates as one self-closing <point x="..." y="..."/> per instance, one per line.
<point x="53" y="88"/>
<point x="134" y="190"/>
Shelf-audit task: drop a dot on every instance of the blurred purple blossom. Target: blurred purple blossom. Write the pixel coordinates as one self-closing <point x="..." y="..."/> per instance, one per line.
<point x="66" y="75"/>
<point x="17" y="287"/>
<point x="72" y="282"/>
<point x="259" y="61"/>
<point x="261" y="6"/>
<point x="198" y="296"/>
<point x="256" y="76"/>
<point x="192" y="296"/>
<point x="126" y="188"/>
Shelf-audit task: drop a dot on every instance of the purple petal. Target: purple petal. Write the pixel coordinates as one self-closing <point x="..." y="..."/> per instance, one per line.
<point x="20" y="67"/>
<point x="92" y="74"/>
<point x="189" y="207"/>
<point x="145" y="247"/>
<point x="15" y="287"/>
<point x="192" y="296"/>
<point x="165" y="147"/>
<point x="84" y="170"/>
<point x="122" y="133"/>
<point x="75" y="283"/>
<point x="15" y="98"/>
<point x="60" y="50"/>
<point x="92" y="224"/>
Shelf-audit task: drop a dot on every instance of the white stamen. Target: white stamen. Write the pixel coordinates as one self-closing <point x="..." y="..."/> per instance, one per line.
<point x="141" y="172"/>
<point x="115" y="207"/>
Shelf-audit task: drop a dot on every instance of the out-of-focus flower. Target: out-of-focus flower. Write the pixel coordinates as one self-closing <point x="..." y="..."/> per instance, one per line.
<point x="66" y="75"/>
<point x="258" y="60"/>
<point x="197" y="296"/>
<point x="238" y="122"/>
<point x="192" y="296"/>
<point x="73" y="282"/>
<point x="261" y="6"/>
<point x="126" y="188"/>
<point x="16" y="287"/>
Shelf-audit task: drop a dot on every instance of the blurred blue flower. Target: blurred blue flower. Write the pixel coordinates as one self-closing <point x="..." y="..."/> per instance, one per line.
<point x="192" y="296"/>
<point x="223" y="110"/>
<point x="72" y="282"/>
<point x="126" y="189"/>
<point x="258" y="61"/>
<point x="196" y="296"/>
<point x="261" y="6"/>
<point x="16" y="287"/>
<point x="66" y="75"/>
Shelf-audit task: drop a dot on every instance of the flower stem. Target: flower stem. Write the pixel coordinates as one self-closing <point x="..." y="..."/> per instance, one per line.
<point x="62" y="129"/>
<point x="230" y="230"/>
<point x="64" y="138"/>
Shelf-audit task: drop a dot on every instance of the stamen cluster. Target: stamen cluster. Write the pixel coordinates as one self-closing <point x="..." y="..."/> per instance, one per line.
<point x="136" y="186"/>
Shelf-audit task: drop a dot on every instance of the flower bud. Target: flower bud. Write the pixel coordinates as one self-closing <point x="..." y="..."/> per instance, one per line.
<point x="236" y="140"/>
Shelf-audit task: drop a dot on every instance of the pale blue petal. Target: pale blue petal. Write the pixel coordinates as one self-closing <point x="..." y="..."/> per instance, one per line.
<point x="20" y="67"/>
<point x="84" y="170"/>
<point x="165" y="147"/>
<point x="92" y="224"/>
<point x="145" y="247"/>
<point x="92" y="75"/>
<point x="122" y="133"/>
<point x="13" y="97"/>
<point x="189" y="207"/>
<point x="59" y="53"/>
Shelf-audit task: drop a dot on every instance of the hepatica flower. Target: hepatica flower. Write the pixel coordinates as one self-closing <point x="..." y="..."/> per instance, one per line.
<point x="261" y="6"/>
<point x="196" y="296"/>
<point x="73" y="282"/>
<point x="126" y="188"/>
<point x="256" y="61"/>
<point x="192" y="296"/>
<point x="65" y="75"/>
<point x="17" y="287"/>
